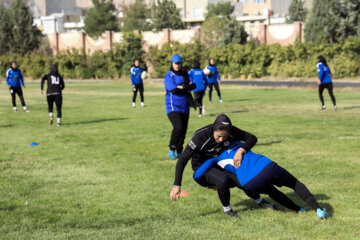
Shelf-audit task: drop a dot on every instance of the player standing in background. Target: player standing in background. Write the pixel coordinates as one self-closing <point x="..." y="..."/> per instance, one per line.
<point x="14" y="79"/>
<point x="137" y="82"/>
<point x="324" y="81"/>
<point x="55" y="85"/>
<point x="198" y="77"/>
<point x="213" y="79"/>
<point x="178" y="87"/>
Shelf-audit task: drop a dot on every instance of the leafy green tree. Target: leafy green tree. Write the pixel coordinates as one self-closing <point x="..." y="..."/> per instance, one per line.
<point x="100" y="18"/>
<point x="5" y="30"/>
<point x="297" y="12"/>
<point x="319" y="20"/>
<point x="136" y="18"/>
<point x="224" y="9"/>
<point x="164" y="14"/>
<point x="347" y="12"/>
<point x="22" y="36"/>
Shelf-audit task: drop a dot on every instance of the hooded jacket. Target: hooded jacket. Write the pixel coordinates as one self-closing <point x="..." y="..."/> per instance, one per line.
<point x="203" y="146"/>
<point x="55" y="82"/>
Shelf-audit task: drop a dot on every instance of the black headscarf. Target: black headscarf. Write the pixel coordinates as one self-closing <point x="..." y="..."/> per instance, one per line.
<point x="222" y="122"/>
<point x="54" y="70"/>
<point x="11" y="63"/>
<point x="196" y="64"/>
<point x="210" y="63"/>
<point x="322" y="60"/>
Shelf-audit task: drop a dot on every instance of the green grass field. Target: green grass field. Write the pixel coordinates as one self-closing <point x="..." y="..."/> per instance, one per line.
<point x="105" y="173"/>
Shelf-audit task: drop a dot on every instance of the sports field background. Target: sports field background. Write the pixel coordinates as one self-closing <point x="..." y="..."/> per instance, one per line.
<point x="105" y="173"/>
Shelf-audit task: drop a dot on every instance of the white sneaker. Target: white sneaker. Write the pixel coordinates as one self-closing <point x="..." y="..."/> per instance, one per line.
<point x="323" y="107"/>
<point x="15" y="109"/>
<point x="335" y="108"/>
<point x="142" y="104"/>
<point x="203" y="110"/>
<point x="133" y="105"/>
<point x="199" y="115"/>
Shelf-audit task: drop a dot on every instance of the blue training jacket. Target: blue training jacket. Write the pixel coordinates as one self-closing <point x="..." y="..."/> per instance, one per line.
<point x="14" y="78"/>
<point x="251" y="165"/>
<point x="324" y="73"/>
<point x="135" y="74"/>
<point x="175" y="102"/>
<point x="214" y="74"/>
<point x="198" y="77"/>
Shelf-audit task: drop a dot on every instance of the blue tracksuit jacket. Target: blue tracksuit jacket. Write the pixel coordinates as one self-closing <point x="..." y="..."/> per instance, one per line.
<point x="324" y="73"/>
<point x="198" y="77"/>
<point x="14" y="78"/>
<point x="135" y="74"/>
<point x="214" y="74"/>
<point x="251" y="165"/>
<point x="175" y="102"/>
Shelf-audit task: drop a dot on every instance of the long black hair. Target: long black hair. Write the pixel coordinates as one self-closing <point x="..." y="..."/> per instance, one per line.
<point x="321" y="59"/>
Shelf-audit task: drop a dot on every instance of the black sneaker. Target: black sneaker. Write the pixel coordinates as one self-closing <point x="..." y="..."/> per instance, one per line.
<point x="231" y="213"/>
<point x="266" y="204"/>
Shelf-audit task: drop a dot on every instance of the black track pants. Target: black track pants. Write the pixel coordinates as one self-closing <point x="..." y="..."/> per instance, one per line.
<point x="329" y="87"/>
<point x="58" y="102"/>
<point x="140" y="88"/>
<point x="216" y="85"/>
<point x="18" y="91"/>
<point x="179" y="122"/>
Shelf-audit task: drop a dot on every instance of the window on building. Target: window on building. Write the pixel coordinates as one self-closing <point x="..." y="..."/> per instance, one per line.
<point x="244" y="1"/>
<point x="259" y="1"/>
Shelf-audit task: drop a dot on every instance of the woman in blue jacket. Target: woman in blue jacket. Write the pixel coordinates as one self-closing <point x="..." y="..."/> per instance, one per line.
<point x="324" y="81"/>
<point x="259" y="174"/>
<point x="177" y="86"/>
<point x="213" y="79"/>
<point x="198" y="77"/>
<point x="14" y="80"/>
<point x="137" y="82"/>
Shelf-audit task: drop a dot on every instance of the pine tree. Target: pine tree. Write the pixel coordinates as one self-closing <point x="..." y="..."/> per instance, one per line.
<point x="100" y="18"/>
<point x="136" y="17"/>
<point x="164" y="14"/>
<point x="233" y="32"/>
<point x="23" y="36"/>
<point x="347" y="12"/>
<point x="297" y="12"/>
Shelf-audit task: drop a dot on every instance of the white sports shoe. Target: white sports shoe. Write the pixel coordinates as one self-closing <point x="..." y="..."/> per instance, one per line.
<point x="133" y="105"/>
<point x="142" y="104"/>
<point x="323" y="107"/>
<point x="199" y="115"/>
<point x="335" y="108"/>
<point x="203" y="110"/>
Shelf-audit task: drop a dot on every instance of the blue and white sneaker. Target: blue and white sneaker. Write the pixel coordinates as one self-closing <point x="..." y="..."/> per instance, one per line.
<point x="178" y="155"/>
<point x="321" y="213"/>
<point x="302" y="210"/>
<point x="221" y="101"/>
<point x="171" y="154"/>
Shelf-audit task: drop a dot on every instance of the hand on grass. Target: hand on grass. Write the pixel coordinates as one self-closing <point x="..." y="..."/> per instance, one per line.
<point x="175" y="193"/>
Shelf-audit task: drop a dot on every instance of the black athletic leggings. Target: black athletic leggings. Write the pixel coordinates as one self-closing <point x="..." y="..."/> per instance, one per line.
<point x="216" y="85"/>
<point x="179" y="122"/>
<point x="198" y="100"/>
<point x="225" y="180"/>
<point x="329" y="87"/>
<point x="58" y="102"/>
<point x="140" y="88"/>
<point x="272" y="175"/>
<point x="18" y="91"/>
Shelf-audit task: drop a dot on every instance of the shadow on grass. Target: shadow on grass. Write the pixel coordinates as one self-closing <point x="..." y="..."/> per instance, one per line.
<point x="249" y="204"/>
<point x="96" y="121"/>
<point x="6" y="126"/>
<point x="10" y="208"/>
<point x="269" y="143"/>
<point x="352" y="107"/>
